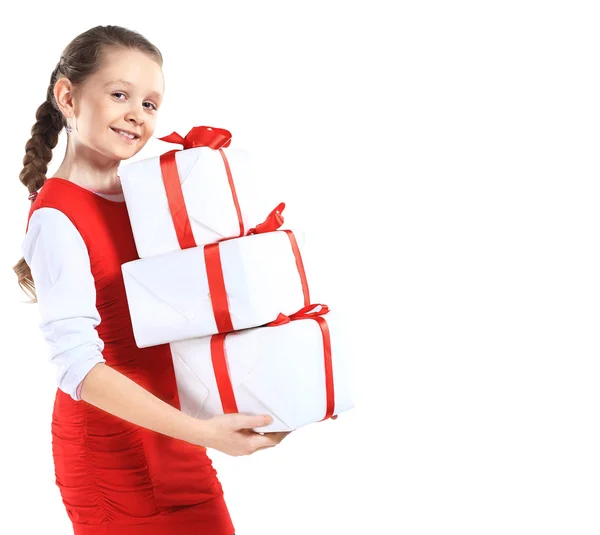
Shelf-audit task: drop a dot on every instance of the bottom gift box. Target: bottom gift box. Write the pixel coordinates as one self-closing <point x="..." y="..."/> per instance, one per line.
<point x="299" y="372"/>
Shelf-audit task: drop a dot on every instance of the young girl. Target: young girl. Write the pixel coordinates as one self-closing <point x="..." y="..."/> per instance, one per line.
<point x="127" y="460"/>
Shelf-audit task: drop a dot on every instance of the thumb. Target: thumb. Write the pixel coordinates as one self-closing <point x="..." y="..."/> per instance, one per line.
<point x="246" y="421"/>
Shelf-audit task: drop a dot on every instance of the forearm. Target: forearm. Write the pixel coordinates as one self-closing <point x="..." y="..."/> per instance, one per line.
<point x="113" y="392"/>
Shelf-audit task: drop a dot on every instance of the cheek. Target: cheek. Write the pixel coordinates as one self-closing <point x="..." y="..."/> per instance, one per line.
<point x="150" y="127"/>
<point x="99" y="118"/>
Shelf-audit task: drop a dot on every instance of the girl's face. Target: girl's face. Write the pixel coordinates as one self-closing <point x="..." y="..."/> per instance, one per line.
<point x="123" y="95"/>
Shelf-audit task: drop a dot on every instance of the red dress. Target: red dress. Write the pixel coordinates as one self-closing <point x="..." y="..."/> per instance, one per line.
<point x="117" y="478"/>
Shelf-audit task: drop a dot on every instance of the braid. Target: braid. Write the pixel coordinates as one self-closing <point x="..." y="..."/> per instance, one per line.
<point x="38" y="154"/>
<point x="44" y="137"/>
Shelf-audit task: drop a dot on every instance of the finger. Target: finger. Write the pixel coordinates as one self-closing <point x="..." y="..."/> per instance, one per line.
<point x="266" y="440"/>
<point x="264" y="447"/>
<point x="277" y="436"/>
<point x="247" y="421"/>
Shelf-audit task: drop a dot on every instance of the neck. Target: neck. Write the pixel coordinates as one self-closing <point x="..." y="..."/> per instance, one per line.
<point x="90" y="170"/>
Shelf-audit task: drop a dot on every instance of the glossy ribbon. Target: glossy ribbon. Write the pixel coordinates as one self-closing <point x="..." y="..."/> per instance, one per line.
<point x="306" y="312"/>
<point x="216" y="287"/>
<point x="198" y="136"/>
<point x="201" y="136"/>
<point x="311" y="312"/>
<point x="219" y="362"/>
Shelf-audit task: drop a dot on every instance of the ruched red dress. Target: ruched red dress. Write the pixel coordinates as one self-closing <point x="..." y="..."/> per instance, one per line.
<point x="117" y="478"/>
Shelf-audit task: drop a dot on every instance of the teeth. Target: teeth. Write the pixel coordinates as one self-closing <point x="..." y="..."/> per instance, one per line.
<point x="130" y="136"/>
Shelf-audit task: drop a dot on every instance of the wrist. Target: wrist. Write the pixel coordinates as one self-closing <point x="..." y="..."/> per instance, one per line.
<point x="199" y="431"/>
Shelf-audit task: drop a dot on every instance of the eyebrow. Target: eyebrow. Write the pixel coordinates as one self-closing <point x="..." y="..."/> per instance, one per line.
<point x="154" y="94"/>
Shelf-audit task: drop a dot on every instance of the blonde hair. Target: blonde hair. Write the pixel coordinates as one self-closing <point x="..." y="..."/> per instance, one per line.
<point x="81" y="58"/>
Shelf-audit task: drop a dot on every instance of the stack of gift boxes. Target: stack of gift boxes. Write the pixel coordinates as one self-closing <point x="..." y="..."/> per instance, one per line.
<point x="228" y="290"/>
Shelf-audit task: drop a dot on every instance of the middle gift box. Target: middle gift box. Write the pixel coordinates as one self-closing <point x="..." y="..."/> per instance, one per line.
<point x="221" y="287"/>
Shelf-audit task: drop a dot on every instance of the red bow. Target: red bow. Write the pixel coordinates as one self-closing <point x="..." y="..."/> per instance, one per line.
<point x="272" y="222"/>
<point x="201" y="136"/>
<point x="307" y="312"/>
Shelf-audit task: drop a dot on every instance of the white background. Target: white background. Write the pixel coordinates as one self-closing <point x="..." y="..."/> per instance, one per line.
<point x="443" y="159"/>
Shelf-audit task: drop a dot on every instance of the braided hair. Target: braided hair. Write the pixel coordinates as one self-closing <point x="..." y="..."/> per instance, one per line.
<point x="81" y="58"/>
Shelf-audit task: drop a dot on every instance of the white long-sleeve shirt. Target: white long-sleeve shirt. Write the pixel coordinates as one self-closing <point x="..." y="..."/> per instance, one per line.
<point x="60" y="266"/>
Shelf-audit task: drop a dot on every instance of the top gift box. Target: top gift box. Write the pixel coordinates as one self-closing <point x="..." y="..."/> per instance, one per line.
<point x="194" y="196"/>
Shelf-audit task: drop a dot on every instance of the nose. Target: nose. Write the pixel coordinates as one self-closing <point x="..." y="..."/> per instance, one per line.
<point x="135" y="116"/>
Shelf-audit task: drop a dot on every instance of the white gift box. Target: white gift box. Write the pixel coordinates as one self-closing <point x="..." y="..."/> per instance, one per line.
<point x="208" y="198"/>
<point x="169" y="297"/>
<point x="278" y="371"/>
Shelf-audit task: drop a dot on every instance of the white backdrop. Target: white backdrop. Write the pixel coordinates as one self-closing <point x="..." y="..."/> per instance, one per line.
<point x="443" y="159"/>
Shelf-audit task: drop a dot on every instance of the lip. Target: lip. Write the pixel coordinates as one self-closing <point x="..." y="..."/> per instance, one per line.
<point x="126" y="139"/>
<point x="137" y="136"/>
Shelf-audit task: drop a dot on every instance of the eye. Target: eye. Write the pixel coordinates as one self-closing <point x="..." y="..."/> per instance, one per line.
<point x="120" y="93"/>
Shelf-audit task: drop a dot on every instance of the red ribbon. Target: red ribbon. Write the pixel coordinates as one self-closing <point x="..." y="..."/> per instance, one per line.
<point x="272" y="222"/>
<point x="236" y="203"/>
<point x="307" y="312"/>
<point x="198" y="136"/>
<point x="299" y="265"/>
<point x="201" y="136"/>
<point x="216" y="287"/>
<point x="219" y="362"/>
<point x="177" y="207"/>
<point x="329" y="389"/>
<point x="219" y="359"/>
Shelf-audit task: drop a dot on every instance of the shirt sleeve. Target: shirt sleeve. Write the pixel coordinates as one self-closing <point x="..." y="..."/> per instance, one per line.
<point x="60" y="267"/>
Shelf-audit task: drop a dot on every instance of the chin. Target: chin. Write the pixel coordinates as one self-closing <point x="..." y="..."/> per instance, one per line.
<point x="127" y="155"/>
<point x="132" y="149"/>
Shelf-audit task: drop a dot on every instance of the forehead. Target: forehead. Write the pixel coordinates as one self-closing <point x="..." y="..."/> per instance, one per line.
<point x="132" y="69"/>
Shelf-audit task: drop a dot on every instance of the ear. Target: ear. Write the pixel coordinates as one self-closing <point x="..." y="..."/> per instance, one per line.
<point x="64" y="95"/>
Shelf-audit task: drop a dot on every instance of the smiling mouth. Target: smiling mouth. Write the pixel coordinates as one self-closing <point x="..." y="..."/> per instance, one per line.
<point x="125" y="137"/>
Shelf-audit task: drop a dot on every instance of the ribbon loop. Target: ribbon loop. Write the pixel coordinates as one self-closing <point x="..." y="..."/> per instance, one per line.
<point x="310" y="311"/>
<point x="173" y="138"/>
<point x="305" y="313"/>
<point x="271" y="223"/>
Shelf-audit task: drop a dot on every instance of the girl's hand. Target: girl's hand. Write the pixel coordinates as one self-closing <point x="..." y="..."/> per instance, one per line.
<point x="232" y="434"/>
